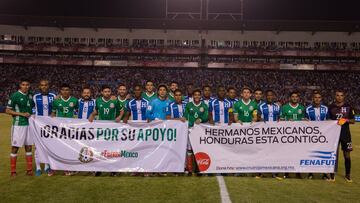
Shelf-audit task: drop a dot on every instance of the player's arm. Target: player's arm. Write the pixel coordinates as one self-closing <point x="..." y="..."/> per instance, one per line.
<point x="351" y="116"/>
<point x="255" y="114"/>
<point x="260" y="115"/>
<point x="236" y="114"/>
<point x="94" y="113"/>
<point x="210" y="117"/>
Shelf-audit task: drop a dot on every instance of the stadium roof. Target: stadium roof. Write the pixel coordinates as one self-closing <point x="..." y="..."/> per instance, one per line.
<point x="281" y="15"/>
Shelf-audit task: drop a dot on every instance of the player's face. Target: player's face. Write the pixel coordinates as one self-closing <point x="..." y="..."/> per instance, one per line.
<point x="246" y="94"/>
<point x="65" y="92"/>
<point x="207" y="92"/>
<point x="178" y="97"/>
<point x="197" y="97"/>
<point x="258" y="95"/>
<point x="189" y="89"/>
<point x="122" y="91"/>
<point x="86" y="94"/>
<point x="221" y="93"/>
<point x="232" y="94"/>
<point x="149" y="86"/>
<point x="162" y="92"/>
<point x="270" y="97"/>
<point x="317" y="99"/>
<point x="173" y="87"/>
<point x="294" y="98"/>
<point x="137" y="92"/>
<point x="24" y="87"/>
<point x="339" y="97"/>
<point x="44" y="86"/>
<point x="106" y="93"/>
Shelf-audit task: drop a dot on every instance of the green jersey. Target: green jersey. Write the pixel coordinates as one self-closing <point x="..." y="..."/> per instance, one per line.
<point x="65" y="108"/>
<point x="107" y="110"/>
<point x="289" y="112"/>
<point x="171" y="97"/>
<point x="21" y="103"/>
<point x="245" y="112"/>
<point x="149" y="97"/>
<point x="194" y="112"/>
<point x="121" y="107"/>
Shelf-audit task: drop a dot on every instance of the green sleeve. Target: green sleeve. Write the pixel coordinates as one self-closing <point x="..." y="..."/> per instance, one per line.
<point x="235" y="108"/>
<point x="205" y="116"/>
<point x="11" y="102"/>
<point x="54" y="106"/>
<point x="186" y="113"/>
<point x="282" y="112"/>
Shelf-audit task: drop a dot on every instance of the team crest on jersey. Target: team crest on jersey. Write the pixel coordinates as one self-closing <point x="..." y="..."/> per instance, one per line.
<point x="343" y="109"/>
<point x="251" y="108"/>
<point x="112" y="105"/>
<point x="201" y="109"/>
<point x="71" y="104"/>
<point x="86" y="155"/>
<point x="299" y="111"/>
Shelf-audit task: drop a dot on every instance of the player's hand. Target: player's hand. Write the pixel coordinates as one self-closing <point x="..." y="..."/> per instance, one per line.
<point x="118" y="119"/>
<point x="183" y="119"/>
<point x="239" y="122"/>
<point x="212" y="122"/>
<point x="342" y="121"/>
<point x="91" y="119"/>
<point x="198" y="121"/>
<point x="125" y="121"/>
<point x="27" y="115"/>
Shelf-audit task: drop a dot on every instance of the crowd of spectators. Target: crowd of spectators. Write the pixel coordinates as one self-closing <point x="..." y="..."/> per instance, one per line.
<point x="279" y="80"/>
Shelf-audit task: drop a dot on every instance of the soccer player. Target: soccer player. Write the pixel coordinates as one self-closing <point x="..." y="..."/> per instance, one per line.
<point x="173" y="86"/>
<point x="136" y="107"/>
<point x="293" y="111"/>
<point x="207" y="95"/>
<point x="156" y="109"/>
<point x="149" y="93"/>
<point x="176" y="109"/>
<point x="269" y="111"/>
<point x="245" y="110"/>
<point x="231" y="95"/>
<point x="20" y="107"/>
<point x="106" y="109"/>
<point x="343" y="112"/>
<point x="219" y="108"/>
<point x="196" y="112"/>
<point x="189" y="90"/>
<point x="122" y="101"/>
<point x="43" y="107"/>
<point x="86" y="104"/>
<point x="258" y="95"/>
<point x="317" y="112"/>
<point x="65" y="105"/>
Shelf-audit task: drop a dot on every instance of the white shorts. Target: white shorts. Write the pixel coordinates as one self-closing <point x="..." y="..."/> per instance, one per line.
<point x="20" y="136"/>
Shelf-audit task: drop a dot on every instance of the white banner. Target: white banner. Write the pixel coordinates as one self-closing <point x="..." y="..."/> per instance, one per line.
<point x="266" y="147"/>
<point x="77" y="145"/>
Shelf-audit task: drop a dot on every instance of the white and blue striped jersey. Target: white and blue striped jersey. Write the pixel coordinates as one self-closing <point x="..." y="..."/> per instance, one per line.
<point x="220" y="110"/>
<point x="207" y="101"/>
<point x="137" y="108"/>
<point x="269" y="112"/>
<point x="86" y="107"/>
<point x="188" y="99"/>
<point x="43" y="103"/>
<point x="176" y="110"/>
<point x="233" y="101"/>
<point x="320" y="113"/>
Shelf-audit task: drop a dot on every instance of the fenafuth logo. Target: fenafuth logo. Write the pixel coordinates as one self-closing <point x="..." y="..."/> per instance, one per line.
<point x="86" y="155"/>
<point x="203" y="161"/>
<point x="320" y="158"/>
